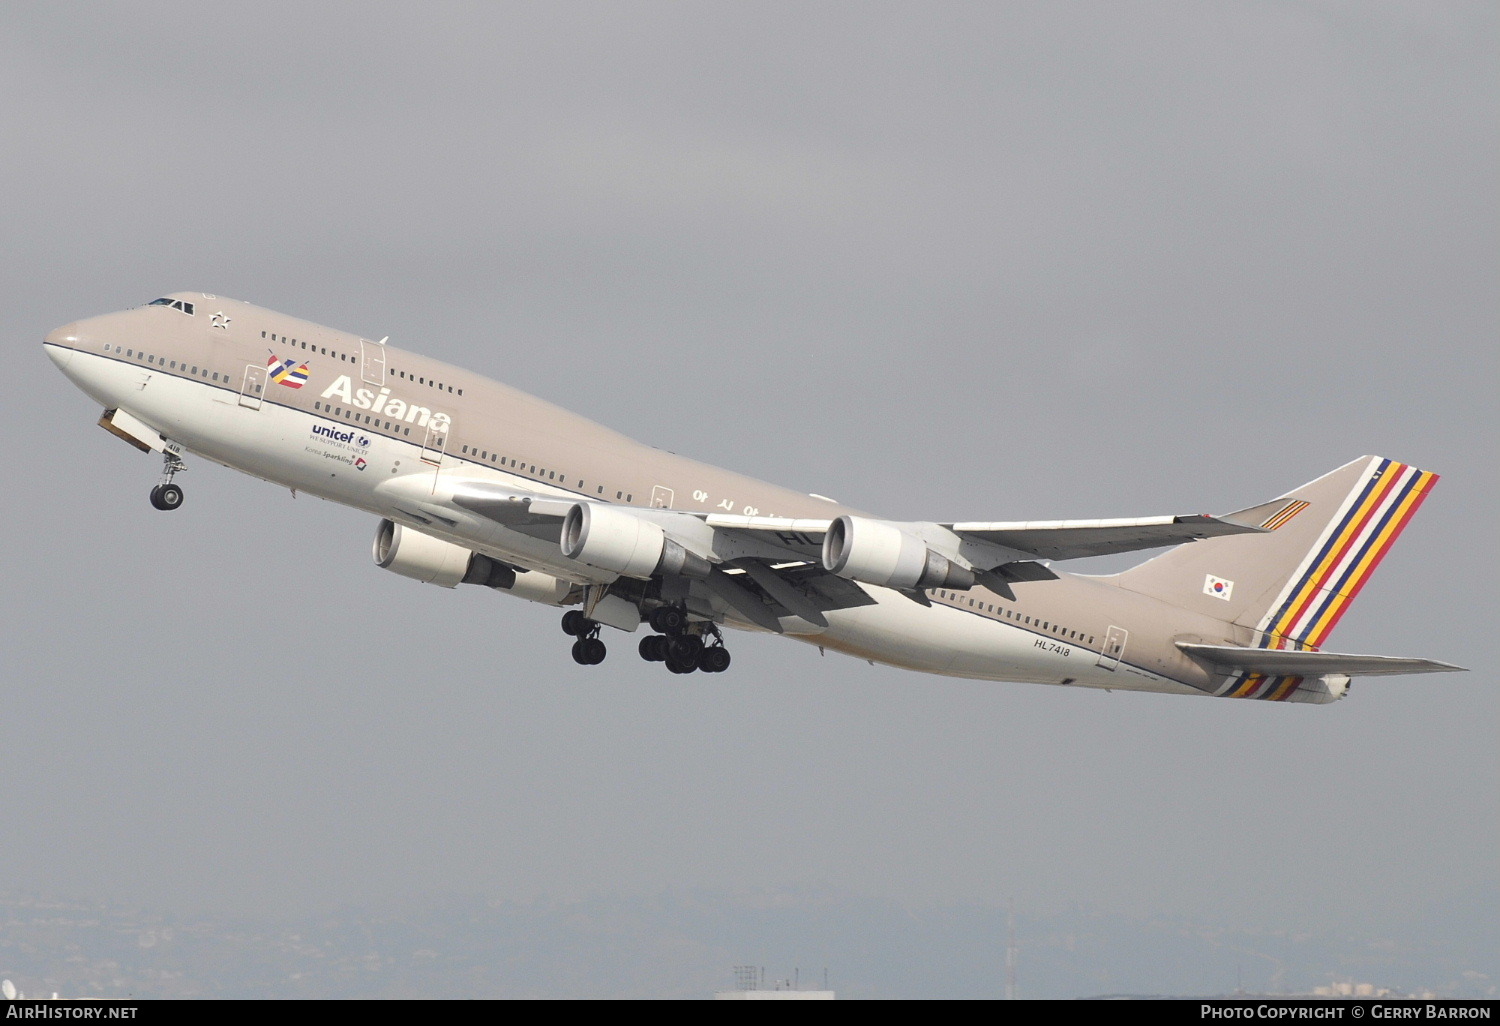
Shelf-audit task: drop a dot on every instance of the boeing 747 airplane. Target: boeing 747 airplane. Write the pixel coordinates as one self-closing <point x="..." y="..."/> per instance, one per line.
<point x="473" y="482"/>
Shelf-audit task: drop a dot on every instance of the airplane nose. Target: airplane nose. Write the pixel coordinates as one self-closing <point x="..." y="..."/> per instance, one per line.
<point x="60" y="343"/>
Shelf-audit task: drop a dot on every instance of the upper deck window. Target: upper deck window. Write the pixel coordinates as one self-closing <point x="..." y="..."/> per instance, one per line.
<point x="175" y="304"/>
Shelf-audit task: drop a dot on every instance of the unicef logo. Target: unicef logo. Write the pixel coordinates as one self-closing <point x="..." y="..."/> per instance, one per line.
<point x="363" y="441"/>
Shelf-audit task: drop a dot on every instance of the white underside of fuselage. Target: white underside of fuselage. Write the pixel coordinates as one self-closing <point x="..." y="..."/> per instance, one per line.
<point x="388" y="478"/>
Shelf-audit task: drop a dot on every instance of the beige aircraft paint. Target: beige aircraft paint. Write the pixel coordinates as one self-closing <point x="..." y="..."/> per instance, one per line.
<point x="476" y="482"/>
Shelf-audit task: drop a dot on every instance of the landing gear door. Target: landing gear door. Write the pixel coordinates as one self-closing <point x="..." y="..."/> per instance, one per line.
<point x="372" y="362"/>
<point x="1114" y="647"/>
<point x="435" y="445"/>
<point x="253" y="386"/>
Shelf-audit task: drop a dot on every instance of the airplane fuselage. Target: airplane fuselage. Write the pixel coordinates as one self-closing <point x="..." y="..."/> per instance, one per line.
<point x="398" y="434"/>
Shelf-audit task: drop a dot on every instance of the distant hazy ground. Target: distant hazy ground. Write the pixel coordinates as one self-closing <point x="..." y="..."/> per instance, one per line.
<point x="683" y="944"/>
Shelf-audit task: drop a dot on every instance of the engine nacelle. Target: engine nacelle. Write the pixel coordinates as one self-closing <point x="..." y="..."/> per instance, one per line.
<point x="535" y="586"/>
<point x="613" y="538"/>
<point x="880" y="553"/>
<point x="434" y="561"/>
<point x="420" y="556"/>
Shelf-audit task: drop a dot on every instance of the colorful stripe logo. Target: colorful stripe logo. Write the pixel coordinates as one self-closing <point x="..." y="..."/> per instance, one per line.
<point x="1286" y="513"/>
<point x="1338" y="568"/>
<point x="285" y="372"/>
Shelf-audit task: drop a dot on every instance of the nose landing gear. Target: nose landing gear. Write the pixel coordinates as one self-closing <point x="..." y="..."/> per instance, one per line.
<point x="167" y="495"/>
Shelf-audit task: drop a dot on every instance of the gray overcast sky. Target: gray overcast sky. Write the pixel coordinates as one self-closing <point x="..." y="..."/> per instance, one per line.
<point x="958" y="261"/>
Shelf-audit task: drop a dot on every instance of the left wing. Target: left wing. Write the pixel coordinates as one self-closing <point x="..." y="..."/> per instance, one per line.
<point x="771" y="567"/>
<point x="1050" y="539"/>
<point x="1074" y="539"/>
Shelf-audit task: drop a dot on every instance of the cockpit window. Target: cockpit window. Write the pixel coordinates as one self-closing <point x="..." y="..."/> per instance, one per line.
<point x="175" y="304"/>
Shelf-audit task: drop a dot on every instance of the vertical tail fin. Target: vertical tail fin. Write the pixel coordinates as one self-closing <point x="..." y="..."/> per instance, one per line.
<point x="1292" y="584"/>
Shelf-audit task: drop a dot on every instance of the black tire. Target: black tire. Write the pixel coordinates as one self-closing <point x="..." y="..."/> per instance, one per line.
<point x="594" y="651"/>
<point x="579" y="656"/>
<point x="713" y="660"/>
<point x="156" y="497"/>
<point x="574" y="623"/>
<point x="653" y="648"/>
<point x="684" y="649"/>
<point x="668" y="620"/>
<point x="167" y="496"/>
<point x="677" y="667"/>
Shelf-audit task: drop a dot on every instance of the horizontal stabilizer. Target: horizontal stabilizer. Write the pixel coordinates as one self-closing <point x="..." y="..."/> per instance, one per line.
<point x="1283" y="662"/>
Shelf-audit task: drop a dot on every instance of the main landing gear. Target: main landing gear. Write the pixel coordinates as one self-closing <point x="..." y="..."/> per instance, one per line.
<point x="681" y="644"/>
<point x="168" y="495"/>
<point x="588" y="650"/>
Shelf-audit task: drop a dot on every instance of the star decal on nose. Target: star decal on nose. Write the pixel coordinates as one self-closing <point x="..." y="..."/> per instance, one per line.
<point x="220" y="321"/>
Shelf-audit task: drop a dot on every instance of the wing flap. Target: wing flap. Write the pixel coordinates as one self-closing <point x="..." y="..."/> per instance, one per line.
<point x="1281" y="662"/>
<point x="789" y="597"/>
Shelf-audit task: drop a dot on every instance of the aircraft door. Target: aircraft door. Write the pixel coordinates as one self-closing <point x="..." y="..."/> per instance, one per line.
<point x="372" y="362"/>
<point x="661" y="498"/>
<point x="435" y="445"/>
<point x="1114" y="647"/>
<point x="253" y="386"/>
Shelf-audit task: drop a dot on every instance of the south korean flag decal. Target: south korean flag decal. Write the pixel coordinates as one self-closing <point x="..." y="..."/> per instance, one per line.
<point x="1218" y="587"/>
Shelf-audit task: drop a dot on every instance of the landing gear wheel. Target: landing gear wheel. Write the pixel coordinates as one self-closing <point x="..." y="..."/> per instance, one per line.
<point x="653" y="648"/>
<point x="574" y="623"/>
<point x="714" y="660"/>
<point x="166" y="496"/>
<point x="668" y="620"/>
<point x="684" y="649"/>
<point x="589" y="651"/>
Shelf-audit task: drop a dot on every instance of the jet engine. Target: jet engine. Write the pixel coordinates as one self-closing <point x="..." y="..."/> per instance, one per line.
<point x="434" y="561"/>
<point x="613" y="538"/>
<point x="881" y="553"/>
